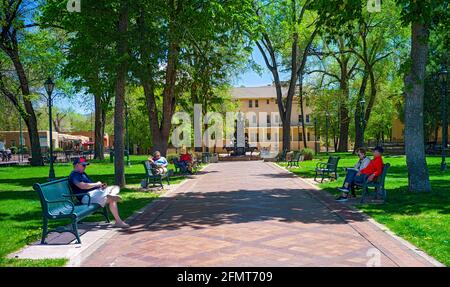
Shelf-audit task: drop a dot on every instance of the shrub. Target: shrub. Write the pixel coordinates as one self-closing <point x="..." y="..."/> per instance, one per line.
<point x="308" y="154"/>
<point x="24" y="150"/>
<point x="14" y="149"/>
<point x="58" y="149"/>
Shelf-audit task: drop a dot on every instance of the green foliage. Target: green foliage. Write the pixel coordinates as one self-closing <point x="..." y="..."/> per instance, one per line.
<point x="14" y="149"/>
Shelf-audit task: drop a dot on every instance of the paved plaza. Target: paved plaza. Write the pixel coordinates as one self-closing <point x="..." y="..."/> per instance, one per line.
<point x="252" y="214"/>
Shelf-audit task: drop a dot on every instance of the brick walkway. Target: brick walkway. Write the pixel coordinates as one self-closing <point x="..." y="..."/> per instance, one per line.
<point x="251" y="214"/>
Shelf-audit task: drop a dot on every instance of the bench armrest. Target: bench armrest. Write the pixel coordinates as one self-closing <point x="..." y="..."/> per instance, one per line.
<point x="80" y="194"/>
<point x="321" y="165"/>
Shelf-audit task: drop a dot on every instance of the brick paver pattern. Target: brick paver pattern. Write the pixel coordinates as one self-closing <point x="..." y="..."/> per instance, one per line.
<point x="249" y="214"/>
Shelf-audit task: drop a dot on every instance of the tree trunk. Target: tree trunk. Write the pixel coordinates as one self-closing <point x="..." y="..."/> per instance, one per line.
<point x="119" y="113"/>
<point x="302" y="113"/>
<point x="359" y="129"/>
<point x="99" y="129"/>
<point x="344" y="118"/>
<point x="418" y="177"/>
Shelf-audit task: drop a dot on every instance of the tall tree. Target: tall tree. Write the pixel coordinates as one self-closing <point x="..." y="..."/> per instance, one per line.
<point x="13" y="15"/>
<point x="342" y="69"/>
<point x="175" y="34"/>
<point x="90" y="59"/>
<point x="121" y="81"/>
<point x="278" y="25"/>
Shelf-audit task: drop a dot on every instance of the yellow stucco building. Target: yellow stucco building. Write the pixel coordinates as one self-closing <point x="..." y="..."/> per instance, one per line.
<point x="256" y="100"/>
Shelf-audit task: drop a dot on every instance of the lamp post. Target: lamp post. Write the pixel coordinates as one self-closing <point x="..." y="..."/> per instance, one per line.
<point x="363" y="119"/>
<point x="327" y="117"/>
<point x="128" y="134"/>
<point x="49" y="86"/>
<point x="443" y="79"/>
<point x="315" y="136"/>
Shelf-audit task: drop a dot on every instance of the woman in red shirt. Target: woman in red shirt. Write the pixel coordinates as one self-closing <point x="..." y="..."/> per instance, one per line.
<point x="186" y="160"/>
<point x="370" y="173"/>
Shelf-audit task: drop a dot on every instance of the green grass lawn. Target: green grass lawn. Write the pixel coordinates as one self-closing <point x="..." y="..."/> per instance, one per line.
<point x="422" y="219"/>
<point x="20" y="210"/>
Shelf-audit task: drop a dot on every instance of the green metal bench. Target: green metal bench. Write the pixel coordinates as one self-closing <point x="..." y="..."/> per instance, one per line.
<point x="150" y="175"/>
<point x="295" y="160"/>
<point x="328" y="168"/>
<point x="377" y="185"/>
<point x="59" y="203"/>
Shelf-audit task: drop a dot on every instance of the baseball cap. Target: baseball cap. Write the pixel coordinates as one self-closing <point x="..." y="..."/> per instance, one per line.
<point x="81" y="161"/>
<point x="378" y="149"/>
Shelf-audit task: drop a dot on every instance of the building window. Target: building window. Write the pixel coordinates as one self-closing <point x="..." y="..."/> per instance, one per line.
<point x="254" y="119"/>
<point x="308" y="138"/>
<point x="250" y="104"/>
<point x="256" y="104"/>
<point x="300" y="119"/>
<point x="307" y="118"/>
<point x="268" y="119"/>
<point x="268" y="102"/>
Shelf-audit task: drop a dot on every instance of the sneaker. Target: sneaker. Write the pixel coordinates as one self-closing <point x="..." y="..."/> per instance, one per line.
<point x="341" y="199"/>
<point x="122" y="225"/>
<point x="343" y="189"/>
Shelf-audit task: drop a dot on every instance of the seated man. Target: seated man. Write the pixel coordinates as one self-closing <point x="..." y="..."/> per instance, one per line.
<point x="159" y="163"/>
<point x="100" y="193"/>
<point x="370" y="173"/>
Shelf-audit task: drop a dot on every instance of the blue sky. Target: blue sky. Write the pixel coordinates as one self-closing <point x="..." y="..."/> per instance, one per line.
<point x="253" y="79"/>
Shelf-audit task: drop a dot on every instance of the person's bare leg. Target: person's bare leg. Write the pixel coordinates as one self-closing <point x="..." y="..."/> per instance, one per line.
<point x="114" y="210"/>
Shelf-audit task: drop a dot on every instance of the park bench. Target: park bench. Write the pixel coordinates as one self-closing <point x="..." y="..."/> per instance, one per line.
<point x="295" y="159"/>
<point x="377" y="185"/>
<point x="59" y="203"/>
<point x="281" y="157"/>
<point x="328" y="168"/>
<point x="180" y="169"/>
<point x="151" y="175"/>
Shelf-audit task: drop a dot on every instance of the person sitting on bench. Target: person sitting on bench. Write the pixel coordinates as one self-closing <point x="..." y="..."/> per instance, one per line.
<point x="362" y="163"/>
<point x="99" y="192"/>
<point x="369" y="173"/>
<point x="186" y="162"/>
<point x="159" y="163"/>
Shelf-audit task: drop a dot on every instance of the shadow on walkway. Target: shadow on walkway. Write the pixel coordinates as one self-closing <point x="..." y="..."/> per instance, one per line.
<point x="198" y="210"/>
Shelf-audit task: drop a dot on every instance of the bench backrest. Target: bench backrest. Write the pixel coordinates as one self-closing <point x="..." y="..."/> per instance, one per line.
<point x="296" y="155"/>
<point x="333" y="162"/>
<point x="382" y="177"/>
<point x="57" y="190"/>
<point x="148" y="168"/>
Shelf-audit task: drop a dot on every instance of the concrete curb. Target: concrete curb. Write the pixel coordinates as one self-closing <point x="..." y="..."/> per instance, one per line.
<point x="378" y="225"/>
